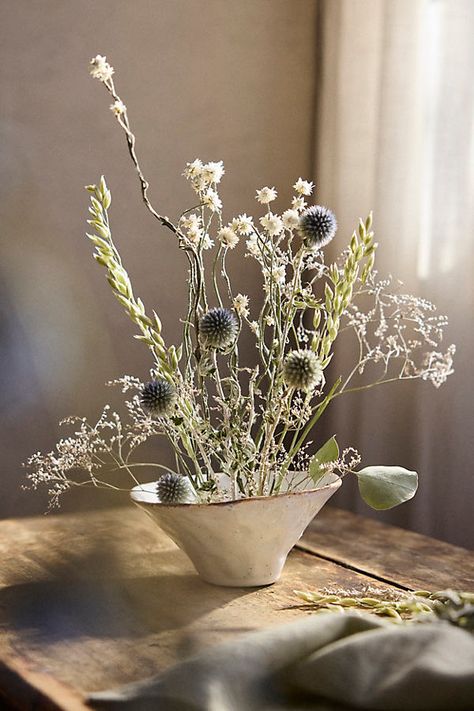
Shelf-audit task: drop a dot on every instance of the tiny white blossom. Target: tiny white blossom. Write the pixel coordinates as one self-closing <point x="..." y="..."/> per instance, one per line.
<point x="228" y="237"/>
<point x="253" y="247"/>
<point x="212" y="200"/>
<point x="241" y="302"/>
<point x="298" y="203"/>
<point x="194" y="169"/>
<point x="193" y="225"/>
<point x="278" y="274"/>
<point x="118" y="108"/>
<point x="191" y="221"/>
<point x="207" y="242"/>
<point x="269" y="320"/>
<point x="100" y="68"/>
<point x="303" y="187"/>
<point x="255" y="328"/>
<point x="243" y="225"/>
<point x="266" y="195"/>
<point x="214" y="171"/>
<point x="272" y="224"/>
<point x="290" y="219"/>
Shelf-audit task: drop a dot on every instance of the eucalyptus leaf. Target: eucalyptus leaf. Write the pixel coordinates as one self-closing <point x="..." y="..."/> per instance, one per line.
<point x="385" y="487"/>
<point x="327" y="453"/>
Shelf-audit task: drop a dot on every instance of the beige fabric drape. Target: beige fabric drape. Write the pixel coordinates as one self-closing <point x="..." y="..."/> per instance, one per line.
<point x="394" y="133"/>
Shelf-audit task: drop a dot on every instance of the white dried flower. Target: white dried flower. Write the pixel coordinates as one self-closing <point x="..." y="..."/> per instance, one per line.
<point x="241" y="302"/>
<point x="207" y="242"/>
<point x="118" y="108"/>
<point x="266" y="195"/>
<point x="212" y="200"/>
<point x="228" y="237"/>
<point x="278" y="274"/>
<point x="298" y="203"/>
<point x="193" y="226"/>
<point x="253" y="247"/>
<point x="191" y="222"/>
<point x="290" y="219"/>
<point x="303" y="187"/>
<point x="255" y="328"/>
<point x="272" y="224"/>
<point x="194" y="169"/>
<point x="243" y="225"/>
<point x="214" y="171"/>
<point x="100" y="68"/>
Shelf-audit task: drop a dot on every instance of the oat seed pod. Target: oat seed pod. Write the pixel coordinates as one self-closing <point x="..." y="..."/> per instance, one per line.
<point x="175" y="489"/>
<point x="158" y="397"/>
<point x="218" y="328"/>
<point x="317" y="226"/>
<point x="302" y="370"/>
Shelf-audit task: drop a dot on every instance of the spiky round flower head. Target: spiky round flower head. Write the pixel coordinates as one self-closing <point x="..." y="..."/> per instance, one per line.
<point x="318" y="226"/>
<point x="302" y="370"/>
<point x="158" y="397"/>
<point x="175" y="489"/>
<point x="218" y="328"/>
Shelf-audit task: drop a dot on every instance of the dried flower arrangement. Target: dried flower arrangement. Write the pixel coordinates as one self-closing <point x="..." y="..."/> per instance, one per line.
<point x="236" y="431"/>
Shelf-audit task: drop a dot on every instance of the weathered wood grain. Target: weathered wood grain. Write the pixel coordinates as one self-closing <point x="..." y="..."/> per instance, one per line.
<point x="391" y="554"/>
<point x="88" y="601"/>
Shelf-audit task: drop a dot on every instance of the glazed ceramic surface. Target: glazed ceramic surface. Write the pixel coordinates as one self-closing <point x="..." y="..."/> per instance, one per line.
<point x="241" y="543"/>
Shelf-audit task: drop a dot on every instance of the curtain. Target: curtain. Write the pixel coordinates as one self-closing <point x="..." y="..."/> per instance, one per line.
<point x="394" y="134"/>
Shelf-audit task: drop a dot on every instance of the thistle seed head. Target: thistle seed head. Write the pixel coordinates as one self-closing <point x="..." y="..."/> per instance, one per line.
<point x="218" y="328"/>
<point x="302" y="370"/>
<point x="174" y="489"/>
<point x="318" y="226"/>
<point x="158" y="397"/>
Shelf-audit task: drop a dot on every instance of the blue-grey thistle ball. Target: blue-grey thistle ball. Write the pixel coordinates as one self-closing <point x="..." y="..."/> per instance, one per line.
<point x="302" y="370"/>
<point x="158" y="397"/>
<point x="317" y="226"/>
<point x="175" y="489"/>
<point x="218" y="328"/>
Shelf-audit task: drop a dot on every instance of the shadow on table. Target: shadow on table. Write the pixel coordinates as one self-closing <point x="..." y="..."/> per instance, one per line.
<point x="80" y="600"/>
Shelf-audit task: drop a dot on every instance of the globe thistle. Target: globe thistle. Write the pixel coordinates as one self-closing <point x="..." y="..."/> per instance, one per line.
<point x="302" y="370"/>
<point x="318" y="226"/>
<point x="158" y="397"/>
<point x="218" y="328"/>
<point x="175" y="489"/>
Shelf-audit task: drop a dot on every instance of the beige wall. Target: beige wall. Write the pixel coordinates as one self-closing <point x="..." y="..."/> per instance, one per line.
<point x="215" y="79"/>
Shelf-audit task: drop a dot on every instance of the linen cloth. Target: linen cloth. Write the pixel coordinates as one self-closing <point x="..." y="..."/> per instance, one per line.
<point x="325" y="662"/>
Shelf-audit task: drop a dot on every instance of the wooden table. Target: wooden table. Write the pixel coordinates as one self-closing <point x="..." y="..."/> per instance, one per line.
<point x="89" y="601"/>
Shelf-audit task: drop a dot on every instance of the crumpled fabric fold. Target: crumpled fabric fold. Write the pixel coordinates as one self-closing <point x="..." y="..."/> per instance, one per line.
<point x="326" y="662"/>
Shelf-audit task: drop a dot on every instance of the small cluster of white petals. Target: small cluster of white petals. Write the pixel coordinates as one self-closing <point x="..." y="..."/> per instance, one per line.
<point x="272" y="224"/>
<point x="266" y="195"/>
<point x="100" y="68"/>
<point x="241" y="304"/>
<point x="118" y="108"/>
<point x="290" y="219"/>
<point x="212" y="200"/>
<point x="243" y="225"/>
<point x="227" y="237"/>
<point x="303" y="187"/>
<point x="192" y="224"/>
<point x="204" y="177"/>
